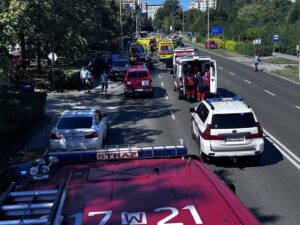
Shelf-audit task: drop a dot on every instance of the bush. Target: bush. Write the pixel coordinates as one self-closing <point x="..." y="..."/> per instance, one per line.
<point x="66" y="79"/>
<point x="19" y="112"/>
<point x="230" y="44"/>
<point x="245" y="49"/>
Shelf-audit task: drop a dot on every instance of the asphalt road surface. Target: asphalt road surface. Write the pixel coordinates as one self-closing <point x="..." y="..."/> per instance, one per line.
<point x="270" y="188"/>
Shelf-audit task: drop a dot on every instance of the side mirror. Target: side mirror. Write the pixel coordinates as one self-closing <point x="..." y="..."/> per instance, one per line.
<point x="172" y="72"/>
<point x="192" y="110"/>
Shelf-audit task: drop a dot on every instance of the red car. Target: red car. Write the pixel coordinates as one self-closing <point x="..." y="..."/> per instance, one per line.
<point x="138" y="80"/>
<point x="211" y="44"/>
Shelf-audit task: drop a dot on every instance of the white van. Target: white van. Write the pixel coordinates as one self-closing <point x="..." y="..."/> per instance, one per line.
<point x="201" y="62"/>
<point x="182" y="52"/>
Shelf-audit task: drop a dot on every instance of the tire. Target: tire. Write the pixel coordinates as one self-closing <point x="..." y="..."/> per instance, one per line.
<point x="204" y="157"/>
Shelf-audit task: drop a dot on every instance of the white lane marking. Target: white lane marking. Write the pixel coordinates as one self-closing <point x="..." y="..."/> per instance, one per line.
<point x="172" y="115"/>
<point x="270" y="92"/>
<point x="162" y="84"/>
<point x="249" y="82"/>
<point x="112" y="107"/>
<point x="159" y="76"/>
<point x="220" y="67"/>
<point x="167" y="97"/>
<point x="233" y="74"/>
<point x="284" y="150"/>
<point x="298" y="107"/>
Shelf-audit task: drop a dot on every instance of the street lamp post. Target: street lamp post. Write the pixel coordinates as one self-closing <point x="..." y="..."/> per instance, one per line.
<point x="183" y="22"/>
<point x="121" y="25"/>
<point x="207" y="24"/>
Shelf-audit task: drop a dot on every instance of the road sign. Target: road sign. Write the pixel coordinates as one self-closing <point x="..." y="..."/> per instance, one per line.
<point x="52" y="56"/>
<point x="216" y="29"/>
<point x="194" y="40"/>
<point x="275" y="37"/>
<point x="257" y="41"/>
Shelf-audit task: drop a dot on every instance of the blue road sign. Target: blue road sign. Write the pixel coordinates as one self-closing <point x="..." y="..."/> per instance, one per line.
<point x="275" y="37"/>
<point x="216" y="29"/>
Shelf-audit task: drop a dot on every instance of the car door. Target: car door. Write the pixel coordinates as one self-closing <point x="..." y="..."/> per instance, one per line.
<point x="200" y="118"/>
<point x="213" y="76"/>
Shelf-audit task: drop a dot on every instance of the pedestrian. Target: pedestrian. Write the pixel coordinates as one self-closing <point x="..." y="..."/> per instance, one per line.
<point x="104" y="82"/>
<point x="206" y="80"/>
<point x="256" y="60"/>
<point x="200" y="86"/>
<point x="83" y="76"/>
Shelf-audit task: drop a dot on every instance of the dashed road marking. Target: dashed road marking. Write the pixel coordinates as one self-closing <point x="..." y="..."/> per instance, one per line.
<point x="233" y="74"/>
<point x="284" y="150"/>
<point x="159" y="76"/>
<point x="249" y="82"/>
<point x="220" y="67"/>
<point x="298" y="107"/>
<point x="173" y="116"/>
<point x="162" y="84"/>
<point x="112" y="107"/>
<point x="167" y="97"/>
<point x="270" y="93"/>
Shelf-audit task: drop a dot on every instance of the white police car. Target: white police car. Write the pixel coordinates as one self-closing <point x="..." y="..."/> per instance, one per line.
<point x="79" y="129"/>
<point x="226" y="127"/>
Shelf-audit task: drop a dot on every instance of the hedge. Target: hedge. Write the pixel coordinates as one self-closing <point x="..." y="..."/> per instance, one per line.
<point x="19" y="112"/>
<point x="250" y="49"/>
<point x="66" y="79"/>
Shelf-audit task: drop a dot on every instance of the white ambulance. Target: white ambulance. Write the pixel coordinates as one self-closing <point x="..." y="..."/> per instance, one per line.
<point x="195" y="62"/>
<point x="182" y="51"/>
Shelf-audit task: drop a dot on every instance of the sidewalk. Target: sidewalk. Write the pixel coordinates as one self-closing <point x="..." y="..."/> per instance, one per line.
<point x="285" y="56"/>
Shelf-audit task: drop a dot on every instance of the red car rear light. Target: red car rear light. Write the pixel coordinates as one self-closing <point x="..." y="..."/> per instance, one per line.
<point x="259" y="134"/>
<point x="56" y="136"/>
<point x="92" y="135"/>
<point x="207" y="136"/>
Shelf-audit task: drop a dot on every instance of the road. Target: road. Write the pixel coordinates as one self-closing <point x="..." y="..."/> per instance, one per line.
<point x="270" y="189"/>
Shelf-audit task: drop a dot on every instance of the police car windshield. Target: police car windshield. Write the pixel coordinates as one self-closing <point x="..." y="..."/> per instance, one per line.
<point x="137" y="50"/>
<point x="75" y="123"/>
<point x="137" y="74"/>
<point x="230" y="121"/>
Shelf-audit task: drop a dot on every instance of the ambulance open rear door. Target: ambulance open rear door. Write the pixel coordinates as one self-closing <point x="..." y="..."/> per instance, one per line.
<point x="213" y="77"/>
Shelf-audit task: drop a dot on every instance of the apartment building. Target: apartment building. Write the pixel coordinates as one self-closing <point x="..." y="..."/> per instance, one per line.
<point x="202" y="4"/>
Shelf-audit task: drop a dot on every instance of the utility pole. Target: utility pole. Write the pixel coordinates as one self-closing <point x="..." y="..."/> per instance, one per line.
<point x="121" y="25"/>
<point x="183" y="22"/>
<point x="207" y="23"/>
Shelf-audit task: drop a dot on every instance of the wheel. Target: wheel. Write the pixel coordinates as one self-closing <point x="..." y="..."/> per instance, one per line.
<point x="204" y="157"/>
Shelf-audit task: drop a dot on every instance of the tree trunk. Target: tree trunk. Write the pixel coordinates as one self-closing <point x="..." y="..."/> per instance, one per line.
<point x="38" y="53"/>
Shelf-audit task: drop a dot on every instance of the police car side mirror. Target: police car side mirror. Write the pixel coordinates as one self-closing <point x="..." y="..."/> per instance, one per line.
<point x="192" y="110"/>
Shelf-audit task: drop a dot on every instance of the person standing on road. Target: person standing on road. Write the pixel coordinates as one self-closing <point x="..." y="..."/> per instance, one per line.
<point x="84" y="73"/>
<point x="256" y="61"/>
<point x="104" y="82"/>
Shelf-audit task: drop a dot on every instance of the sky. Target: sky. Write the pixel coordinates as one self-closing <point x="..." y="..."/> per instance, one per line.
<point x="184" y="3"/>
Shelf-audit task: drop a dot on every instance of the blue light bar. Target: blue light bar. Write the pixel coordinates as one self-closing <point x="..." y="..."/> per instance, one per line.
<point x="118" y="153"/>
<point x="225" y="99"/>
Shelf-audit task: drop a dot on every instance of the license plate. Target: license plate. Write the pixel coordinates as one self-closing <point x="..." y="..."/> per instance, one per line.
<point x="235" y="139"/>
<point x="139" y="90"/>
<point x="145" y="82"/>
<point x="73" y="138"/>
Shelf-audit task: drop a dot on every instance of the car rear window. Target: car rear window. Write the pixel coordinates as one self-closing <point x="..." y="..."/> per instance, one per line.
<point x="137" y="74"/>
<point x="228" y="121"/>
<point x="75" y="123"/>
